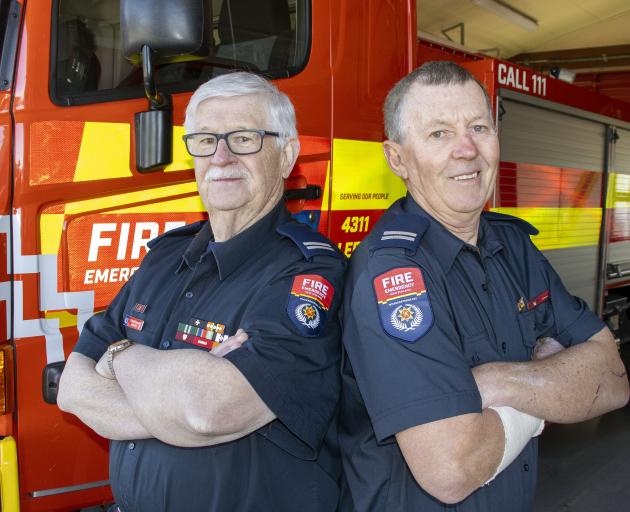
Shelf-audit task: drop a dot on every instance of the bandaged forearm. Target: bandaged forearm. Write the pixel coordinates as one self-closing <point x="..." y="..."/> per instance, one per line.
<point x="518" y="429"/>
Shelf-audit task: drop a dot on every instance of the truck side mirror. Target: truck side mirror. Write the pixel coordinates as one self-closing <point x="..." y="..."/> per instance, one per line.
<point x="158" y="32"/>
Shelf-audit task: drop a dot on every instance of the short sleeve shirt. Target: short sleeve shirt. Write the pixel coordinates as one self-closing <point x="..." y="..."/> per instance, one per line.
<point x="284" y="291"/>
<point x="417" y="316"/>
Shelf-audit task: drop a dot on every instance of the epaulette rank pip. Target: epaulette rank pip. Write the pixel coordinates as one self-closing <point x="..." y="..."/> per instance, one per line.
<point x="403" y="230"/>
<point x="310" y="242"/>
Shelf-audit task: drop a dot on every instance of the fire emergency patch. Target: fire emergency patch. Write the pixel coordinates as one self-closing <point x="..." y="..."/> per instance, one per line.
<point x="309" y="302"/>
<point x="403" y="303"/>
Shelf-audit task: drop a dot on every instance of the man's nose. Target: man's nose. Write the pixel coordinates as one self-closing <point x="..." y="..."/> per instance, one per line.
<point x="465" y="147"/>
<point x="223" y="155"/>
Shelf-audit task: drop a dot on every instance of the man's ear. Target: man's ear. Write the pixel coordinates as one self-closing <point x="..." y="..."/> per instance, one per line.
<point x="290" y="153"/>
<point x="394" y="156"/>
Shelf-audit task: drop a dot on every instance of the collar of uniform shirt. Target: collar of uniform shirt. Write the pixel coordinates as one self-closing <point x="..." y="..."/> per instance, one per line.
<point x="446" y="245"/>
<point x="232" y="253"/>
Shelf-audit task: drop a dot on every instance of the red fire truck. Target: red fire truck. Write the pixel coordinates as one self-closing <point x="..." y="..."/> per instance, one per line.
<point x="91" y="171"/>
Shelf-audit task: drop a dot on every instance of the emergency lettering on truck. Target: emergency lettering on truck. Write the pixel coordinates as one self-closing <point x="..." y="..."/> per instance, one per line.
<point x="85" y="186"/>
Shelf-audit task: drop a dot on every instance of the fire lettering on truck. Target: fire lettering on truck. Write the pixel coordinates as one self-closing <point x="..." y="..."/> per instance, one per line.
<point x="521" y="79"/>
<point x="104" y="235"/>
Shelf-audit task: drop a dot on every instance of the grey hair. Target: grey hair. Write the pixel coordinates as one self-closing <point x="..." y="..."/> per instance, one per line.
<point x="430" y="73"/>
<point x="279" y="107"/>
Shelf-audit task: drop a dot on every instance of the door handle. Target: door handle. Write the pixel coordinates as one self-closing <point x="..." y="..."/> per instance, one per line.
<point x="307" y="193"/>
<point x="50" y="381"/>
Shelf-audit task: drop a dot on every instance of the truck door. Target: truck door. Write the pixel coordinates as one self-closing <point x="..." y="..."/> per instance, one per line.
<point x="83" y="213"/>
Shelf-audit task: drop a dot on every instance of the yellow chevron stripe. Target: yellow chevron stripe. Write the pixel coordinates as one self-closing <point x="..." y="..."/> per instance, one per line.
<point x="359" y="171"/>
<point x="105" y="150"/>
<point x="50" y="227"/>
<point x="560" y="228"/>
<point x="181" y="159"/>
<point x="153" y="194"/>
<point x="66" y="319"/>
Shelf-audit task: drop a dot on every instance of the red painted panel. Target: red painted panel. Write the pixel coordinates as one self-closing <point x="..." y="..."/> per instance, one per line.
<point x="528" y="185"/>
<point x="613" y="84"/>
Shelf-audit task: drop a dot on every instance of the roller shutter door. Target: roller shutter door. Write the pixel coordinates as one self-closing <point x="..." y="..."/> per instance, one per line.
<point x="572" y="148"/>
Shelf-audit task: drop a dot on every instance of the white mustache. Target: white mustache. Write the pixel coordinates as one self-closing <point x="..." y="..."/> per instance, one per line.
<point x="214" y="174"/>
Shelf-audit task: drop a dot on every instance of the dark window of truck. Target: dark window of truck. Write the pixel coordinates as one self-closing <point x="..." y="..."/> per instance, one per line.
<point x="88" y="64"/>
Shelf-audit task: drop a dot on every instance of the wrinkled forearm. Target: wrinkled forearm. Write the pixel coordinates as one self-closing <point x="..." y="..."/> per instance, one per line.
<point x="573" y="385"/>
<point x="452" y="458"/>
<point x="179" y="395"/>
<point x="98" y="402"/>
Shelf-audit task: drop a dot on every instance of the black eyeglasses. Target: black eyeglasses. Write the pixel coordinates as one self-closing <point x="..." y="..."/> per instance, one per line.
<point x="239" y="142"/>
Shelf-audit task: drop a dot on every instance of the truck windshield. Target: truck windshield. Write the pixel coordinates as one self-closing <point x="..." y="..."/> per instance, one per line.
<point x="269" y="37"/>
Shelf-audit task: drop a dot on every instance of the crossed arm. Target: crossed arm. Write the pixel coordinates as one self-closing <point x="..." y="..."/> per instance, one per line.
<point x="453" y="457"/>
<point x="182" y="397"/>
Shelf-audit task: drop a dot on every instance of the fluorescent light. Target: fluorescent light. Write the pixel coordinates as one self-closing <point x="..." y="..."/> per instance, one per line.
<point x="508" y="13"/>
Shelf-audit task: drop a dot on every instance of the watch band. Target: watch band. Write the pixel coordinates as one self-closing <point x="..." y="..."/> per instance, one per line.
<point x="118" y="346"/>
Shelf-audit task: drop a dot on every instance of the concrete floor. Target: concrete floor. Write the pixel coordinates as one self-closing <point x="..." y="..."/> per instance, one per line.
<point x="586" y="467"/>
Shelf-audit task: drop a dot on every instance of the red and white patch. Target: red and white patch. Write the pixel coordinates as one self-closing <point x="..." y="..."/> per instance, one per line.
<point x="134" y="323"/>
<point x="399" y="282"/>
<point x="314" y="287"/>
<point x="140" y="308"/>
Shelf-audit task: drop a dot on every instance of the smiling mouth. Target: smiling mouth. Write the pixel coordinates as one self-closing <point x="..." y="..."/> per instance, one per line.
<point x="465" y="177"/>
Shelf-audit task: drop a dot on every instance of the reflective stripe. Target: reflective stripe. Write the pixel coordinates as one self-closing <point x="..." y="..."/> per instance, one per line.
<point x="408" y="238"/>
<point x="404" y="233"/>
<point x="318" y="245"/>
<point x="560" y="228"/>
<point x="105" y="149"/>
<point x="362" y="180"/>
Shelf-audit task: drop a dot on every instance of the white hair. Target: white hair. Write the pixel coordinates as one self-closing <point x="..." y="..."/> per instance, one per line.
<point x="279" y="107"/>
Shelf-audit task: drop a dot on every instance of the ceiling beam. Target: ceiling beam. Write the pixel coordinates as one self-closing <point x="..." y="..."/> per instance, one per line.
<point x="578" y="59"/>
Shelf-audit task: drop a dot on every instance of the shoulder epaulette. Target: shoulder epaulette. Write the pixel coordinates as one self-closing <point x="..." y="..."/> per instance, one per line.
<point x="187" y="230"/>
<point x="403" y="230"/>
<point x="310" y="242"/>
<point x="502" y="217"/>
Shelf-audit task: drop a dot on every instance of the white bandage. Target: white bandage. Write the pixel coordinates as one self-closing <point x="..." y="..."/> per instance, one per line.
<point x="518" y="429"/>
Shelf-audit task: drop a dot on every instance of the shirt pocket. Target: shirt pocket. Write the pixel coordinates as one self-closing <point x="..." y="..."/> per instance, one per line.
<point x="535" y="323"/>
<point x="479" y="349"/>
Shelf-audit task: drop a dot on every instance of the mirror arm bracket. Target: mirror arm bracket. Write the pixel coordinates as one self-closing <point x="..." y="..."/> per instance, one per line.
<point x="157" y="101"/>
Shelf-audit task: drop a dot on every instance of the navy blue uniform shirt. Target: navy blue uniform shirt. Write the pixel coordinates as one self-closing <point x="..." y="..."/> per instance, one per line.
<point x="422" y="308"/>
<point x="280" y="282"/>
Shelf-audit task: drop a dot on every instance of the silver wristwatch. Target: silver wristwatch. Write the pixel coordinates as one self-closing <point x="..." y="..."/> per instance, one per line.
<point x="114" y="348"/>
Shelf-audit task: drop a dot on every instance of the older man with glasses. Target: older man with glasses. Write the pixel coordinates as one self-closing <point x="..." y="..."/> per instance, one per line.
<point x="243" y="420"/>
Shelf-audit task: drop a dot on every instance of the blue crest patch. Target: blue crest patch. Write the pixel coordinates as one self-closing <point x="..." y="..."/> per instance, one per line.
<point x="309" y="302"/>
<point x="403" y="303"/>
